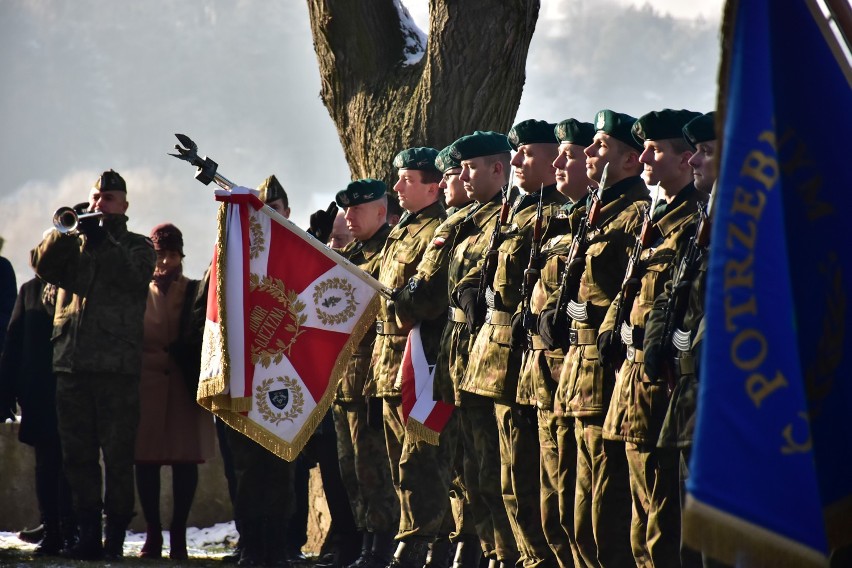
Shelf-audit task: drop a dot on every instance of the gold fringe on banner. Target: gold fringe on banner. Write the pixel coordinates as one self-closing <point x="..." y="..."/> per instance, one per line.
<point x="419" y="431"/>
<point x="738" y="542"/>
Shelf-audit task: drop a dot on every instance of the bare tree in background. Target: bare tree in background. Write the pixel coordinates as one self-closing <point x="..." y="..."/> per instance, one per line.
<point x="470" y="77"/>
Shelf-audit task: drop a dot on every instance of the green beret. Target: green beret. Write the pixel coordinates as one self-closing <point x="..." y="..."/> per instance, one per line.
<point x="700" y="129"/>
<point x="480" y="143"/>
<point x="361" y="191"/>
<point x="662" y="124"/>
<point x="531" y="132"/>
<point x="573" y="131"/>
<point x="445" y="160"/>
<point x="416" y="159"/>
<point x="110" y="181"/>
<point x="617" y="125"/>
<point x="271" y="189"/>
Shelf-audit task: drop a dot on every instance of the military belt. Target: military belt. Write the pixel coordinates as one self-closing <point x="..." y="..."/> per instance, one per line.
<point x="456" y="315"/>
<point x="632" y="335"/>
<point x="582" y="336"/>
<point x="496" y="317"/>
<point x="635" y="355"/>
<point x="684" y="364"/>
<point x="389" y="328"/>
<point x="682" y="340"/>
<point x="537" y="343"/>
<point x="577" y="311"/>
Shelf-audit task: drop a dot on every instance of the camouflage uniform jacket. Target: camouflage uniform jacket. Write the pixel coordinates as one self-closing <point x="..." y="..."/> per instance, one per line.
<point x="494" y="363"/>
<point x="679" y="423"/>
<point x="637" y="407"/>
<point x="426" y="296"/>
<point x="541" y="366"/>
<point x="354" y="383"/>
<point x="100" y="304"/>
<point x="585" y="387"/>
<point x="401" y="255"/>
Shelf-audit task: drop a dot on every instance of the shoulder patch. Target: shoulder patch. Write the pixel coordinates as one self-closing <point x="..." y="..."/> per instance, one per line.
<point x="438" y="242"/>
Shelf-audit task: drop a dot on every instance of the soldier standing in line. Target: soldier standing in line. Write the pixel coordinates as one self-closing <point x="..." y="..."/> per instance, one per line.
<point x="485" y="158"/>
<point x="679" y="423"/>
<point x="602" y="497"/>
<point x="102" y="274"/>
<point x="495" y="358"/>
<point x="543" y="365"/>
<point x="450" y="257"/>
<point x="420" y="471"/>
<point x="360" y="437"/>
<point x="637" y="406"/>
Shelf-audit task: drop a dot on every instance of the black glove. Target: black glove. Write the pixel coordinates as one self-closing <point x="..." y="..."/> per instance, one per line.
<point x="519" y="333"/>
<point x="470" y="307"/>
<point x="654" y="361"/>
<point x="375" y="416"/>
<point x="554" y="335"/>
<point x="322" y="223"/>
<point x="608" y="352"/>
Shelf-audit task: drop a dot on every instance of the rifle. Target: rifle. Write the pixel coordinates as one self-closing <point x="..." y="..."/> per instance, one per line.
<point x="678" y="300"/>
<point x="533" y="271"/>
<point x="622" y="330"/>
<point x="569" y="284"/>
<point x="489" y="266"/>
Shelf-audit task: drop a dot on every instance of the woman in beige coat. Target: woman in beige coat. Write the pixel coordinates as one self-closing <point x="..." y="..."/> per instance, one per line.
<point x="173" y="429"/>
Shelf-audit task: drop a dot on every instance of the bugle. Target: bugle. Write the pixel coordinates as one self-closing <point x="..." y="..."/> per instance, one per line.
<point x="66" y="220"/>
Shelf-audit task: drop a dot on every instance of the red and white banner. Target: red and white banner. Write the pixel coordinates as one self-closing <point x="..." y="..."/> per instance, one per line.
<point x="424" y="416"/>
<point x="284" y="314"/>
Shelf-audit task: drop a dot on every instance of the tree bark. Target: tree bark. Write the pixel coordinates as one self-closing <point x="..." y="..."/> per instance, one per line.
<point x="470" y="78"/>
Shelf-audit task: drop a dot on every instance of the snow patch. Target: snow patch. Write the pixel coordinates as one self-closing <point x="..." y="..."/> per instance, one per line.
<point x="415" y="39"/>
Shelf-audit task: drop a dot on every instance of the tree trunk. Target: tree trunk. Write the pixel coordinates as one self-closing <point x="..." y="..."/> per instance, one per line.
<point x="470" y="77"/>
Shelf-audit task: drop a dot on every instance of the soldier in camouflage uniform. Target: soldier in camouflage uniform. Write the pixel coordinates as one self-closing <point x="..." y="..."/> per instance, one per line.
<point x="602" y="497"/>
<point x="495" y="358"/>
<point x="679" y="423"/>
<point x="103" y="275"/>
<point x="480" y="163"/>
<point x="638" y="406"/>
<point x="361" y="441"/>
<point x="541" y="365"/>
<point x="420" y="471"/>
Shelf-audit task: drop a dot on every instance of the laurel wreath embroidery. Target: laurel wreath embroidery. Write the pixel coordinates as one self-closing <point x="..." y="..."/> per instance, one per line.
<point x="271" y="416"/>
<point x="820" y="374"/>
<point x="288" y="298"/>
<point x="257" y="243"/>
<point x="348" y="292"/>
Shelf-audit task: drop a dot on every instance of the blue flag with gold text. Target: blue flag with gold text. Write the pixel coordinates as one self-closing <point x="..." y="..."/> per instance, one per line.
<point x="771" y="470"/>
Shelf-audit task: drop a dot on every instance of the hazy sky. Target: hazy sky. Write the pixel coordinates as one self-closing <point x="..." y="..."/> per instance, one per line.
<point x="94" y="84"/>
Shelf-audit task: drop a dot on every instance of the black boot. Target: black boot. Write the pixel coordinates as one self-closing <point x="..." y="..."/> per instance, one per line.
<point x="366" y="550"/>
<point x="89" y="545"/>
<point x="468" y="553"/>
<point x="275" y="542"/>
<point x="383" y="548"/>
<point x="439" y="553"/>
<point x="116" y="529"/>
<point x="51" y="542"/>
<point x="33" y="535"/>
<point x="68" y="526"/>
<point x="410" y="553"/>
<point x="251" y="543"/>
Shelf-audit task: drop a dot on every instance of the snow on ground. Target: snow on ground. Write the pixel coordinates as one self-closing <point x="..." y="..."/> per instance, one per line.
<point x="211" y="543"/>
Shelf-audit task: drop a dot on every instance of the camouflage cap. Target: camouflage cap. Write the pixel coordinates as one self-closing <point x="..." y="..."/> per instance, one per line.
<point x="445" y="160"/>
<point x="573" y="131"/>
<point x="271" y="189"/>
<point x="700" y="129"/>
<point x="167" y="237"/>
<point x="110" y="181"/>
<point x="361" y="191"/>
<point x="618" y="125"/>
<point x="416" y="159"/>
<point x="531" y="132"/>
<point x="480" y="143"/>
<point x="662" y="124"/>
